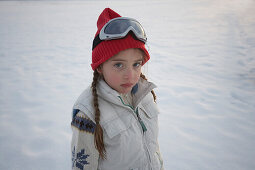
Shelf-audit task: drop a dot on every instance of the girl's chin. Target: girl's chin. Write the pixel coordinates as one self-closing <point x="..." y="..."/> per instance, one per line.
<point x="125" y="91"/>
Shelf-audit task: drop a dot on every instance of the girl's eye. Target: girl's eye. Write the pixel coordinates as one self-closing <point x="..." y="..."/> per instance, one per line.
<point x="137" y="64"/>
<point x="118" y="65"/>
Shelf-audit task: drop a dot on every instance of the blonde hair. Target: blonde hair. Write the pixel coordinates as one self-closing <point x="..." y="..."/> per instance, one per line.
<point x="98" y="136"/>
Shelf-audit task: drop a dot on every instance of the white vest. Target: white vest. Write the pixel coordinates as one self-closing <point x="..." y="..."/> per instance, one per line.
<point x="129" y="145"/>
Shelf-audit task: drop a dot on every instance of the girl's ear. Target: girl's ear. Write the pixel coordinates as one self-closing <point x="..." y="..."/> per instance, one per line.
<point x="99" y="69"/>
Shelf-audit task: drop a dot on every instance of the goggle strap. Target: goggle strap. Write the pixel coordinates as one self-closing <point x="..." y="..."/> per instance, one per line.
<point x="96" y="41"/>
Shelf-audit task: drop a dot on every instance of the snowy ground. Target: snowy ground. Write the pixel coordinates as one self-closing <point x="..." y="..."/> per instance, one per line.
<point x="202" y="59"/>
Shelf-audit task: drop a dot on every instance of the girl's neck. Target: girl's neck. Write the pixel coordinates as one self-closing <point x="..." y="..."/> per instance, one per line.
<point x="127" y="98"/>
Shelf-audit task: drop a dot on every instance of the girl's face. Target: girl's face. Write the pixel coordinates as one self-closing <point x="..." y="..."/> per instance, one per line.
<point x="122" y="71"/>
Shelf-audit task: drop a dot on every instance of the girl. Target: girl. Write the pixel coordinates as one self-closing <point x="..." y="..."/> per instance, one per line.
<point x="115" y="121"/>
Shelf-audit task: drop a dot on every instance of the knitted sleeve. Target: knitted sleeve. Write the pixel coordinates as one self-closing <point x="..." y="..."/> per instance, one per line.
<point x="84" y="153"/>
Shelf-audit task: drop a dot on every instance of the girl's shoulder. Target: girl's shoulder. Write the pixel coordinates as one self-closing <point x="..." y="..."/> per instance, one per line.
<point x="83" y="105"/>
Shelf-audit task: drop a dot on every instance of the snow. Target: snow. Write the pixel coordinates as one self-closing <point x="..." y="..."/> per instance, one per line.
<point x="202" y="59"/>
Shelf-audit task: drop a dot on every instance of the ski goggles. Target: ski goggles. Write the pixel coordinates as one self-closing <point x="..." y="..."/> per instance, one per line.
<point x="118" y="28"/>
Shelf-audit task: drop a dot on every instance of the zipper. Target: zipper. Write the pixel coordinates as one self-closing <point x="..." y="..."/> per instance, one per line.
<point x="137" y="115"/>
<point x="144" y="142"/>
<point x="144" y="129"/>
<point x="140" y="121"/>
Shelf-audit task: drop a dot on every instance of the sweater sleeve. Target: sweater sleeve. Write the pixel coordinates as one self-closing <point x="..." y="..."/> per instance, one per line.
<point x="84" y="154"/>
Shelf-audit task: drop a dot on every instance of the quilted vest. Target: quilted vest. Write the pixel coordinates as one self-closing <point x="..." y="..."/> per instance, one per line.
<point x="130" y="132"/>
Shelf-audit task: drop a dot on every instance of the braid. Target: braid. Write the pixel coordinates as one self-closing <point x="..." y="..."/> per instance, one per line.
<point x="98" y="137"/>
<point x="152" y="92"/>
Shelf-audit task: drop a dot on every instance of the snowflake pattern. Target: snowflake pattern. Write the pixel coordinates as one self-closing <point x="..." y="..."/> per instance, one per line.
<point x="79" y="160"/>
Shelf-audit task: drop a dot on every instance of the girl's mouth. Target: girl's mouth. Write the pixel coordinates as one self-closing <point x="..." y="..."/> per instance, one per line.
<point x="126" y="85"/>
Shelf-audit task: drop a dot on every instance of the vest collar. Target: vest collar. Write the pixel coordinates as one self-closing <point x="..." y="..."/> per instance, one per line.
<point x="107" y="93"/>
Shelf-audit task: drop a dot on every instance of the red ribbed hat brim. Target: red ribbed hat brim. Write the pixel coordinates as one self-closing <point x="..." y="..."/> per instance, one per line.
<point x="106" y="49"/>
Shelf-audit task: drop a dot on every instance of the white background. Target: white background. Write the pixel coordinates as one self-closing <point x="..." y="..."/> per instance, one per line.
<point x="202" y="59"/>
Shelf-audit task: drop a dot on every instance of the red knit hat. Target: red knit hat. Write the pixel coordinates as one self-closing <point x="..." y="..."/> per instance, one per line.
<point x="107" y="49"/>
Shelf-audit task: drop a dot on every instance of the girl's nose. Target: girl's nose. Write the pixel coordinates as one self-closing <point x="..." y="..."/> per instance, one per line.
<point x="128" y="73"/>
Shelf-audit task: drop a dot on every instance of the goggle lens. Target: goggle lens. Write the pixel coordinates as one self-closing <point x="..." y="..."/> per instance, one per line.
<point x="121" y="25"/>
